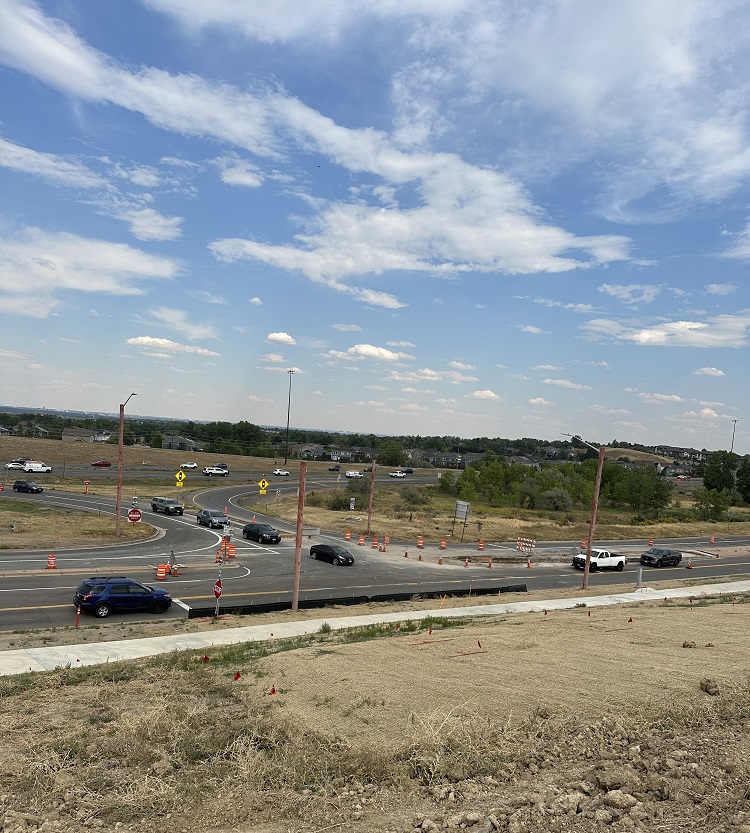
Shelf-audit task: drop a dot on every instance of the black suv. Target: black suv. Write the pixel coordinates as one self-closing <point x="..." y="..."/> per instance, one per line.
<point x="263" y="533"/>
<point x="166" y="505"/>
<point x="27" y="486"/>
<point x="104" y="594"/>
<point x="658" y="557"/>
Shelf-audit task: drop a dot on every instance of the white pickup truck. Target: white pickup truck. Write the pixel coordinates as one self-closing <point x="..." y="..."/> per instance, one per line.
<point x="600" y="560"/>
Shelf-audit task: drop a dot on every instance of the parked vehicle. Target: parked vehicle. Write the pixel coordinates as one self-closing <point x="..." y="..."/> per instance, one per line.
<point x="102" y="464"/>
<point x="215" y="471"/>
<point x="659" y="557"/>
<point x="103" y="595"/>
<point x="263" y="533"/>
<point x="600" y="560"/>
<point x="27" y="486"/>
<point x="212" y="518"/>
<point x="333" y="553"/>
<point x="36" y="466"/>
<point x="166" y="505"/>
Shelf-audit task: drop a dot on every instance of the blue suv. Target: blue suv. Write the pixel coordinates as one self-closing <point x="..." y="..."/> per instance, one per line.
<point x="103" y="595"/>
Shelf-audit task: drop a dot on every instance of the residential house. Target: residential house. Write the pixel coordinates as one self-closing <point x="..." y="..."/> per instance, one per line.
<point x="78" y="435"/>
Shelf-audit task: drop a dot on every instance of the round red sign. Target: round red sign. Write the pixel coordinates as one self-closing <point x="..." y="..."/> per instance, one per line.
<point x="217" y="588"/>
<point x="134" y="515"/>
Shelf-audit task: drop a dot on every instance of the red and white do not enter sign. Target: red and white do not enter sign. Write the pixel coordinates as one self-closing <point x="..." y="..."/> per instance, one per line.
<point x="134" y="515"/>
<point x="217" y="588"/>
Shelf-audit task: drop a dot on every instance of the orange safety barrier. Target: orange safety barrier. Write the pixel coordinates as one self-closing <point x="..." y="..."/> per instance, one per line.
<point x="51" y="561"/>
<point x="374" y="543"/>
<point x="651" y="542"/>
<point x="348" y="535"/>
<point x="713" y="539"/>
<point x="361" y="540"/>
<point x="230" y="551"/>
<point x="442" y="544"/>
<point x="420" y="543"/>
<point x="584" y="542"/>
<point x="481" y="546"/>
<point x="387" y="540"/>
<point x="161" y="571"/>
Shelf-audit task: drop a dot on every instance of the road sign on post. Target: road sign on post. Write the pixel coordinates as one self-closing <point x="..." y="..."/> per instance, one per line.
<point x="217" y="588"/>
<point x="135" y="515"/>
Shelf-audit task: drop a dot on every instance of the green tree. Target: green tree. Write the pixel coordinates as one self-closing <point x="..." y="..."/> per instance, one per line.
<point x="156" y="441"/>
<point x="719" y="471"/>
<point x="391" y="453"/>
<point x="557" y="499"/>
<point x="743" y="480"/>
<point x="710" y="504"/>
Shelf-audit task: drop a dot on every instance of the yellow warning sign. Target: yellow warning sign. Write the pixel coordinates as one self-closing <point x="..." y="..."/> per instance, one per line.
<point x="180" y="475"/>
<point x="263" y="484"/>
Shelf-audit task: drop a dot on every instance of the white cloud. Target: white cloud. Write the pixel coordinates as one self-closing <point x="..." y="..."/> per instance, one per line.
<point x="566" y="383"/>
<point x="539" y="401"/>
<point x="48" y="166"/>
<point x="704" y="413"/>
<point x="275" y="358"/>
<point x="208" y="297"/>
<point x="280" y="338"/>
<point x="347" y="328"/>
<point x="425" y="374"/>
<point x="632" y="293"/>
<point x="720" y="288"/>
<point x="148" y="224"/>
<point x="482" y="394"/>
<point x="36" y="267"/>
<point x="255" y="301"/>
<point x="546" y="367"/>
<point x="370" y="351"/>
<point x="530" y="328"/>
<point x="168" y="348"/>
<point x="178" y="320"/>
<point x="715" y="331"/>
<point x="708" y="371"/>
<point x="142" y="175"/>
<point x="400" y="344"/>
<point x="461" y="365"/>
<point x="236" y="171"/>
<point x="660" y="398"/>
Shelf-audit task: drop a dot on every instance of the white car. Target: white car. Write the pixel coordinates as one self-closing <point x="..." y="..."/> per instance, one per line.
<point x="215" y="471"/>
<point x="17" y="466"/>
<point x="188" y="465"/>
<point x="281" y="472"/>
<point x="354" y="474"/>
<point x="398" y="474"/>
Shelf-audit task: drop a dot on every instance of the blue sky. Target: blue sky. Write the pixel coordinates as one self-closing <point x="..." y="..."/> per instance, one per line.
<point x="465" y="217"/>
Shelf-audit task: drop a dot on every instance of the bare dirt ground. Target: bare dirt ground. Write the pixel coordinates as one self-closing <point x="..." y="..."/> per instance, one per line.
<point x="632" y="718"/>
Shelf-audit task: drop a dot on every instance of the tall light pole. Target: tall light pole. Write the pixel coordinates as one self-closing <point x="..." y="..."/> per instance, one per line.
<point x="734" y="426"/>
<point x="118" y="502"/>
<point x="288" y="410"/>
<point x="594" y="507"/>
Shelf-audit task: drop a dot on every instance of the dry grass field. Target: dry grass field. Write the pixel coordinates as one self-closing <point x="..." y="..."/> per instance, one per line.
<point x="634" y="718"/>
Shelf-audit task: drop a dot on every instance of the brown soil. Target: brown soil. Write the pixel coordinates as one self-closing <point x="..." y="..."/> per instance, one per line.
<point x="521" y="723"/>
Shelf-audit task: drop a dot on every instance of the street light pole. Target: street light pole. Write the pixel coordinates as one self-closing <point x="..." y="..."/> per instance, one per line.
<point x="734" y="426"/>
<point x="118" y="502"/>
<point x="594" y="507"/>
<point x="288" y="410"/>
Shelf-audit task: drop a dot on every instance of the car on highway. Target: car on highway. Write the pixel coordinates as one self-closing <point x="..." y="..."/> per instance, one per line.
<point x="36" y="466"/>
<point x="262" y="533"/>
<point x="188" y="465"/>
<point x="334" y="468"/>
<point x="166" y="505"/>
<point x="27" y="486"/>
<point x="333" y="553"/>
<point x="101" y="464"/>
<point x="281" y="472"/>
<point x="398" y="474"/>
<point x="15" y="465"/>
<point x="354" y="473"/>
<point x="215" y="471"/>
<point x="221" y="466"/>
<point x="408" y="471"/>
<point x="212" y="518"/>
<point x="103" y="595"/>
<point x="660" y="557"/>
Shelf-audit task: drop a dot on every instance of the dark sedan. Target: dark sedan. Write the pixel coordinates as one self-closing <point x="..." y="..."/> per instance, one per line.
<point x="102" y="464"/>
<point x="262" y="533"/>
<point x="27" y="486"/>
<point x="333" y="553"/>
<point x="658" y="557"/>
<point x="334" y="468"/>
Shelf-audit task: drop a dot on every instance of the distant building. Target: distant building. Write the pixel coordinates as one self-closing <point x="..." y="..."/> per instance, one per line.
<point x="78" y="435"/>
<point x="181" y="443"/>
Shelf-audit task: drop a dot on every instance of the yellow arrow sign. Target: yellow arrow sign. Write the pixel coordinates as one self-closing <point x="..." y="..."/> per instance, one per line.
<point x="263" y="484"/>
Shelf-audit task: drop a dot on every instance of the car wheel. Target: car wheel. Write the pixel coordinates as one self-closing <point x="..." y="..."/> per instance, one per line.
<point x="659" y="563"/>
<point x="335" y="562"/>
<point x="158" y="606"/>
<point x="620" y="566"/>
<point x="313" y="554"/>
<point x="102" y="611"/>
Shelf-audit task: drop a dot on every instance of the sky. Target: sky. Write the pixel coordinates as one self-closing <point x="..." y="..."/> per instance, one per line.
<point x="447" y="217"/>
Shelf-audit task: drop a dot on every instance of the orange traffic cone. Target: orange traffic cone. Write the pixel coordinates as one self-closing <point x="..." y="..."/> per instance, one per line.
<point x="440" y="560"/>
<point x="225" y="512"/>
<point x="466" y="563"/>
<point x="406" y="554"/>
<point x="489" y="563"/>
<point x="419" y="557"/>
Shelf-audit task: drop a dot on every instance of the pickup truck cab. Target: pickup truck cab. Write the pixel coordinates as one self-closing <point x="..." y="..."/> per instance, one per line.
<point x="600" y="560"/>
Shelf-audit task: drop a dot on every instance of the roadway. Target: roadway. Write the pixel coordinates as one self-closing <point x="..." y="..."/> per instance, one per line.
<point x="33" y="596"/>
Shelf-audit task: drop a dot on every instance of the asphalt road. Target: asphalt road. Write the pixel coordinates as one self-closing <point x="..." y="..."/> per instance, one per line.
<point x="32" y="596"/>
